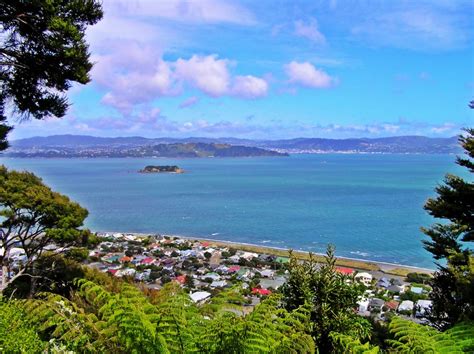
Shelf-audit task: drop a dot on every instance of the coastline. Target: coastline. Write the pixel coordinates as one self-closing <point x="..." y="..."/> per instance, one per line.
<point x="355" y="263"/>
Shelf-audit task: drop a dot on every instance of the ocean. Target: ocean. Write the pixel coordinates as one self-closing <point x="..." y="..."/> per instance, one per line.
<point x="369" y="206"/>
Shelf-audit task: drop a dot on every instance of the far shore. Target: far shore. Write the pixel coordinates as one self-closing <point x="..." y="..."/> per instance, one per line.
<point x="400" y="270"/>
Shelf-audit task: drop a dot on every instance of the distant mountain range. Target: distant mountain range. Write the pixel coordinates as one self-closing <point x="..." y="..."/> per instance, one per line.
<point x="90" y="146"/>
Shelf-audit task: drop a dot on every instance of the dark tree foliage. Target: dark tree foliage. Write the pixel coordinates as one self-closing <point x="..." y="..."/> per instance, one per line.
<point x="33" y="217"/>
<point x="42" y="52"/>
<point x="329" y="297"/>
<point x="453" y="283"/>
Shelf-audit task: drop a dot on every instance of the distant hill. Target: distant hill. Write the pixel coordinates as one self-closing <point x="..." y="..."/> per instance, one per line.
<point x="129" y="149"/>
<point x="397" y="144"/>
<point x="129" y="146"/>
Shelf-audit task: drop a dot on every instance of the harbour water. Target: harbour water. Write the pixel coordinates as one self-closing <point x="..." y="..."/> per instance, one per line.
<point x="369" y="206"/>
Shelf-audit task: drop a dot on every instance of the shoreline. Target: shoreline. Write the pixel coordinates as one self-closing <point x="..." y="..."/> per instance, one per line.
<point x="350" y="262"/>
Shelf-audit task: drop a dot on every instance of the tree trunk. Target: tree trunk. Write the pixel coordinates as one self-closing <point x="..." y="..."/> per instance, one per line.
<point x="4" y="277"/>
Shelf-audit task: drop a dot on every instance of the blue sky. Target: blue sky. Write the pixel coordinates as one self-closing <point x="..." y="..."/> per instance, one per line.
<point x="274" y="69"/>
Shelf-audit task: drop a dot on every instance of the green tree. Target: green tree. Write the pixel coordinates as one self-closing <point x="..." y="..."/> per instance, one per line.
<point x="453" y="283"/>
<point x="42" y="52"/>
<point x="330" y="296"/>
<point x="32" y="217"/>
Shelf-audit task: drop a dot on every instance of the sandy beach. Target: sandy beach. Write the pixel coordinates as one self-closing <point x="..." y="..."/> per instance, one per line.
<point x="355" y="263"/>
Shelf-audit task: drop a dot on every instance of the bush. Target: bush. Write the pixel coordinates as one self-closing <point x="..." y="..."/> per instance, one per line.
<point x="78" y="254"/>
<point x="421" y="278"/>
<point x="17" y="335"/>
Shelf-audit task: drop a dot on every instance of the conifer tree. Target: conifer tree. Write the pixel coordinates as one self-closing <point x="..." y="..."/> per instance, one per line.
<point x="329" y="297"/>
<point x="42" y="52"/>
<point x="451" y="242"/>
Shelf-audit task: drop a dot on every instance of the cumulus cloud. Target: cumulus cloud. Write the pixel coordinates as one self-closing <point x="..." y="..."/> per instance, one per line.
<point x="207" y="73"/>
<point x="309" y="31"/>
<point x="249" y="87"/>
<point x="202" y="11"/>
<point x="307" y="75"/>
<point x="133" y="74"/>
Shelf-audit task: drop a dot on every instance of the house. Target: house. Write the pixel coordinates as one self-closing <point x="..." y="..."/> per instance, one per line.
<point x="222" y="269"/>
<point x="376" y="304"/>
<point x="423" y="307"/>
<point x="363" y="305"/>
<point x="188" y="253"/>
<point x="416" y="290"/>
<point x="364" y="278"/>
<point x="125" y="272"/>
<point x="344" y="270"/>
<point x="266" y="257"/>
<point x="181" y="279"/>
<point x="391" y="305"/>
<point x="147" y="261"/>
<point x="125" y="259"/>
<point x="261" y="291"/>
<point x="383" y="283"/>
<point x="406" y="305"/>
<point x="249" y="255"/>
<point x="212" y="275"/>
<point x="111" y="259"/>
<point x="267" y="273"/>
<point x="234" y="259"/>
<point x="143" y="276"/>
<point x="397" y="289"/>
<point x="218" y="284"/>
<point x="199" y="296"/>
<point x="233" y="269"/>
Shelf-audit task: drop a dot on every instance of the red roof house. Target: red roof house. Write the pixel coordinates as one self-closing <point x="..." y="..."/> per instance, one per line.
<point x="181" y="279"/>
<point x="345" y="271"/>
<point x="125" y="259"/>
<point x="261" y="291"/>
<point x="233" y="269"/>
<point x="148" y="260"/>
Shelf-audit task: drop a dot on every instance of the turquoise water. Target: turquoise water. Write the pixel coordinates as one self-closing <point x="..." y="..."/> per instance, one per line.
<point x="369" y="206"/>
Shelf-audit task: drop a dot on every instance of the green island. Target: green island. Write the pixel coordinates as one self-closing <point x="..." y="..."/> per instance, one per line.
<point x="162" y="169"/>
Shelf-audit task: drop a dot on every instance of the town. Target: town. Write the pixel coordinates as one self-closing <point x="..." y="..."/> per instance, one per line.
<point x="204" y="270"/>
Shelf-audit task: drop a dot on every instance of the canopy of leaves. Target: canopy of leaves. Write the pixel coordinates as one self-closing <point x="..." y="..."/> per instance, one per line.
<point x="111" y="316"/>
<point x="453" y="284"/>
<point x="330" y="298"/>
<point x="17" y="333"/>
<point x="42" y="52"/>
<point x="33" y="216"/>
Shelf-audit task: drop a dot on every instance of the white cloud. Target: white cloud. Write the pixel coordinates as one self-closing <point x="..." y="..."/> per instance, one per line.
<point x="208" y="73"/>
<point x="306" y="74"/>
<point x="132" y="74"/>
<point x="310" y="31"/>
<point x="249" y="87"/>
<point x="189" y="11"/>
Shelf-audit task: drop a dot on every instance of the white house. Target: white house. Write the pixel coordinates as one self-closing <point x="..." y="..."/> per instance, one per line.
<point x="363" y="305"/>
<point x="218" y="284"/>
<point x="406" y="305"/>
<point x="199" y="296"/>
<point x="364" y="278"/>
<point x="267" y="273"/>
